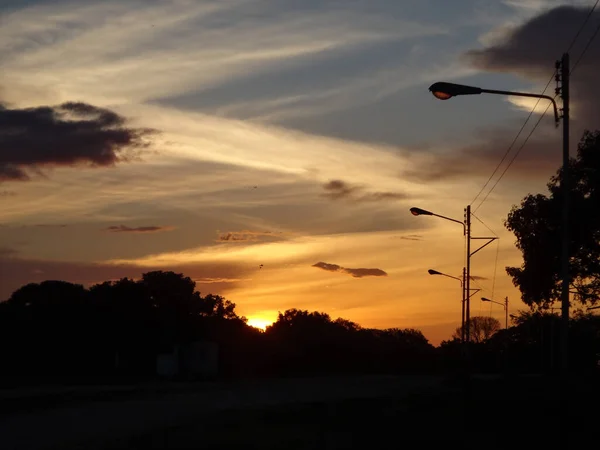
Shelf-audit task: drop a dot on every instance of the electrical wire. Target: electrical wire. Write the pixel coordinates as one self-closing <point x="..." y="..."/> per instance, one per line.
<point x="585" y="49"/>
<point x="573" y="41"/>
<point x="590" y="12"/>
<point x="514" y="141"/>
<point x="495" y="267"/>
<point x="484" y="224"/>
<point x="514" y="157"/>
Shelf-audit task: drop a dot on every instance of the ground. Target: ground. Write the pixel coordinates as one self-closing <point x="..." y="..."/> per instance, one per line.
<point x="325" y="413"/>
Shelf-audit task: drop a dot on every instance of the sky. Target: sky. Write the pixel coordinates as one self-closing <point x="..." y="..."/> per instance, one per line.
<point x="271" y="150"/>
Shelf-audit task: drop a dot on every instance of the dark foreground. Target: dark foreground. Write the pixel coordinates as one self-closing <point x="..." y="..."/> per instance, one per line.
<point x="328" y="413"/>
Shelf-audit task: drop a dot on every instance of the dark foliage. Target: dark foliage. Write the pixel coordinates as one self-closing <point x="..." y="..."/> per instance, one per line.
<point x="536" y="224"/>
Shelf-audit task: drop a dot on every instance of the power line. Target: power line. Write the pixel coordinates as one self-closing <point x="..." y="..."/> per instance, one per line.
<point x="587" y="46"/>
<point x="514" y="157"/>
<point x="514" y="141"/>
<point x="591" y="11"/>
<point x="484" y="224"/>
<point x="495" y="266"/>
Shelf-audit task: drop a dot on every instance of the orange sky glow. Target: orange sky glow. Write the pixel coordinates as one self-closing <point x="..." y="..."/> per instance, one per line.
<point x="283" y="139"/>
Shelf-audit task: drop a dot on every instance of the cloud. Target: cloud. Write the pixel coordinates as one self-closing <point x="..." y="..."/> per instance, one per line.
<point x="246" y="236"/>
<point x="476" y="277"/>
<point x="356" y="273"/>
<point x="68" y="134"/>
<point x="146" y="229"/>
<point x="7" y="193"/>
<point x="411" y="237"/>
<point x="531" y="49"/>
<point x="7" y="252"/>
<point x="359" y="273"/>
<point x="338" y="189"/>
<point x="327" y="266"/>
<point x="538" y="159"/>
<point x="217" y="280"/>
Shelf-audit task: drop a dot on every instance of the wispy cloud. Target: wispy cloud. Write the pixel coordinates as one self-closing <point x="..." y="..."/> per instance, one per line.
<point x="112" y="41"/>
<point x="338" y="189"/>
<point x="247" y="236"/>
<point x="356" y="273"/>
<point x="144" y="229"/>
<point x="411" y="237"/>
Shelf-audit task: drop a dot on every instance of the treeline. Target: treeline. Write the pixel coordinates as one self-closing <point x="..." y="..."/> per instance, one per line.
<point x="57" y="331"/>
<point x="531" y="345"/>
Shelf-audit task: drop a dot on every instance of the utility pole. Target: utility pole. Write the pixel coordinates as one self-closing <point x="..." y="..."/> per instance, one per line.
<point x="468" y="291"/>
<point x="464" y="299"/>
<point x="468" y="280"/>
<point x="506" y="313"/>
<point x="564" y="91"/>
<point x="563" y="78"/>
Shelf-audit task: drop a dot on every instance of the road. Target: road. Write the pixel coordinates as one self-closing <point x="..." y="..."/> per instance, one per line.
<point x="73" y="425"/>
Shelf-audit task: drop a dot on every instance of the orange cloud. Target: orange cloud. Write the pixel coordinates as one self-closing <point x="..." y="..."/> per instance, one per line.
<point x="146" y="229"/>
<point x="356" y="273"/>
<point x="245" y="236"/>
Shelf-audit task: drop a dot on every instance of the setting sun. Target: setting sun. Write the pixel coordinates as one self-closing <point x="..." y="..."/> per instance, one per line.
<point x="259" y="322"/>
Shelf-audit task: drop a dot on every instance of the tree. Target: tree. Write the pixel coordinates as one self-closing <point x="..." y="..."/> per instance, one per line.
<point x="536" y="223"/>
<point x="217" y="306"/>
<point x="482" y="328"/>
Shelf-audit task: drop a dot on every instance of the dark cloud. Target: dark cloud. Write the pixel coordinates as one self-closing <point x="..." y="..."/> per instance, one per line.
<point x="7" y="252"/>
<point x="65" y="135"/>
<point x="356" y="273"/>
<point x="359" y="273"/>
<point x="338" y="189"/>
<point x="147" y="229"/>
<point x="532" y="49"/>
<point x="476" y="277"/>
<point x="326" y="266"/>
<point x="7" y="193"/>
<point x="246" y="236"/>
<point x="540" y="156"/>
<point x="529" y="50"/>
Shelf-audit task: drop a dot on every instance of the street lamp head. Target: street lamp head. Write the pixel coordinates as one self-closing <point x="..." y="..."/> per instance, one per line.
<point x="434" y="272"/>
<point x="420" y="212"/>
<point x="444" y="91"/>
<point x="483" y="299"/>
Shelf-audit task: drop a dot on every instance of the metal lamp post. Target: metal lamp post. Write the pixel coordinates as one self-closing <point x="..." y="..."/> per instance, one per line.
<point x="505" y="305"/>
<point x="467" y="278"/>
<point x="462" y="287"/>
<point x="445" y="91"/>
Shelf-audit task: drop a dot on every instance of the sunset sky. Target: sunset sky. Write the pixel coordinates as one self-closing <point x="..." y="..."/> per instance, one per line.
<point x="271" y="150"/>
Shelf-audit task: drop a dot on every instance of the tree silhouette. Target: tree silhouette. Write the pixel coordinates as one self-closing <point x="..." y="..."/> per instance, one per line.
<point x="537" y="225"/>
<point x="482" y="328"/>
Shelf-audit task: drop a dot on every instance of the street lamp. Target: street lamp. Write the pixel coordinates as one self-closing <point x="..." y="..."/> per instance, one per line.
<point x="435" y="272"/>
<point x="445" y="91"/>
<point x="505" y="305"/>
<point x="468" y="292"/>
<point x="462" y="286"/>
<point x="423" y="212"/>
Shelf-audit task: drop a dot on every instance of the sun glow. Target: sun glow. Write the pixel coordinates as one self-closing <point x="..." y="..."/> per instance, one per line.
<point x="259" y="322"/>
